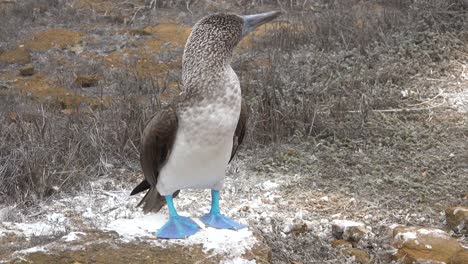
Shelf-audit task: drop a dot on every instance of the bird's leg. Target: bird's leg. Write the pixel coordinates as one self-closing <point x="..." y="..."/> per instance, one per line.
<point x="215" y="219"/>
<point x="177" y="226"/>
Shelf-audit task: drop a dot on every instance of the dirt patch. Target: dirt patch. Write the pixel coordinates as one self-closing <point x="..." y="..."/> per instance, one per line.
<point x="18" y="56"/>
<point x="123" y="253"/>
<point x="168" y="32"/>
<point x="45" y="40"/>
<point x="97" y="5"/>
<point x="40" y="42"/>
<point x="157" y="55"/>
<point x="98" y="246"/>
<point x="45" y="90"/>
<point x="164" y="41"/>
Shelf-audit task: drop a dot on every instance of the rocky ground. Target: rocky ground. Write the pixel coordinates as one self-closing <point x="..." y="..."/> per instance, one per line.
<point x="312" y="202"/>
<point x="296" y="212"/>
<point x="396" y="193"/>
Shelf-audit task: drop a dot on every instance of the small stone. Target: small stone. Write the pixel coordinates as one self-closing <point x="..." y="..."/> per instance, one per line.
<point x="297" y="230"/>
<point x="354" y="233"/>
<point x="457" y="219"/>
<point x="359" y="255"/>
<point x="12" y="117"/>
<point x="27" y="70"/>
<point x="86" y="81"/>
<point x="340" y="243"/>
<point x="297" y="227"/>
<point x="423" y="244"/>
<point x="340" y="226"/>
<point x="324" y="199"/>
<point x="140" y="32"/>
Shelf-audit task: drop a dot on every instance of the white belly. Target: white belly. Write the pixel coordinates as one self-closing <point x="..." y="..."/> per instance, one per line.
<point x="201" y="150"/>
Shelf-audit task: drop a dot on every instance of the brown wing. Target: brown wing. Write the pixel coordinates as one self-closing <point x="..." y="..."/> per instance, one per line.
<point x="240" y="129"/>
<point x="157" y="141"/>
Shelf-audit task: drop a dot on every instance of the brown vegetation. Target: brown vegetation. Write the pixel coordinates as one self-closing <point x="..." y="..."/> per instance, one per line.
<point x="339" y="75"/>
<point x="322" y="74"/>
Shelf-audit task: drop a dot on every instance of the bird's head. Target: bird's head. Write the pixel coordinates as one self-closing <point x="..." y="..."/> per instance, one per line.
<point x="216" y="35"/>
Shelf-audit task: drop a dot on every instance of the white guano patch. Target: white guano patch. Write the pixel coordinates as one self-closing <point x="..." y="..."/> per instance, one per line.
<point x="346" y="223"/>
<point x="407" y="236"/>
<point x="249" y="199"/>
<point x="433" y="232"/>
<point x="220" y="241"/>
<point x="72" y="236"/>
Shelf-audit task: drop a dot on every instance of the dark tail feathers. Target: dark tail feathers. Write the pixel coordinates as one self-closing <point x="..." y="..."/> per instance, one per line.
<point x="152" y="201"/>
<point x="144" y="185"/>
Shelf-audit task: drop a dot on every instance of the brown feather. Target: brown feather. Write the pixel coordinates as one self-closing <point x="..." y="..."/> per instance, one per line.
<point x="157" y="140"/>
<point x="240" y="129"/>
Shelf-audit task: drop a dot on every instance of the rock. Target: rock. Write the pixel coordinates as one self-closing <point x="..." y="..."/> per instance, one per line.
<point x="340" y="243"/>
<point x="359" y="255"/>
<point x="348" y="230"/>
<point x="325" y="199"/>
<point x="86" y="81"/>
<point x="457" y="219"/>
<point x="297" y="227"/>
<point x="354" y="233"/>
<point x="27" y="70"/>
<point x="140" y="32"/>
<point x="76" y="48"/>
<point x="460" y="257"/>
<point x="423" y="244"/>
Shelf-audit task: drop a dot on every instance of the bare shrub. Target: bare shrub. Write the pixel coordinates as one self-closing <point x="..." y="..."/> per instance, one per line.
<point x="20" y="15"/>
<point x="47" y="151"/>
<point x="327" y="74"/>
<point x="321" y="77"/>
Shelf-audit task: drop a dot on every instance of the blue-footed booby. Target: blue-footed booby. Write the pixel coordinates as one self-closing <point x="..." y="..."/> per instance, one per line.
<point x="189" y="143"/>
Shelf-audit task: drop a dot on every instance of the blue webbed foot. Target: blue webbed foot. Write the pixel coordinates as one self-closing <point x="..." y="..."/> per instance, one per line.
<point x="220" y="221"/>
<point x="178" y="227"/>
<point x="215" y="219"/>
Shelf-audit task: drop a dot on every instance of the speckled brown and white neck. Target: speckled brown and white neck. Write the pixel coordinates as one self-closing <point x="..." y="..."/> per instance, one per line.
<point x="207" y="56"/>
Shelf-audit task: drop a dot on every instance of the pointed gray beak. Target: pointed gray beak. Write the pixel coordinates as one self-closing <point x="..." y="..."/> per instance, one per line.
<point x="251" y="22"/>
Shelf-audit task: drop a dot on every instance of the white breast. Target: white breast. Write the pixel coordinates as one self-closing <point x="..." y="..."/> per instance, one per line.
<point x="203" y="143"/>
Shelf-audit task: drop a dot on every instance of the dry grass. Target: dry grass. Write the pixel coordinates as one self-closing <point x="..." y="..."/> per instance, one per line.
<point x="327" y="75"/>
<point x="321" y="75"/>
<point x="319" y="79"/>
<point x="48" y="151"/>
